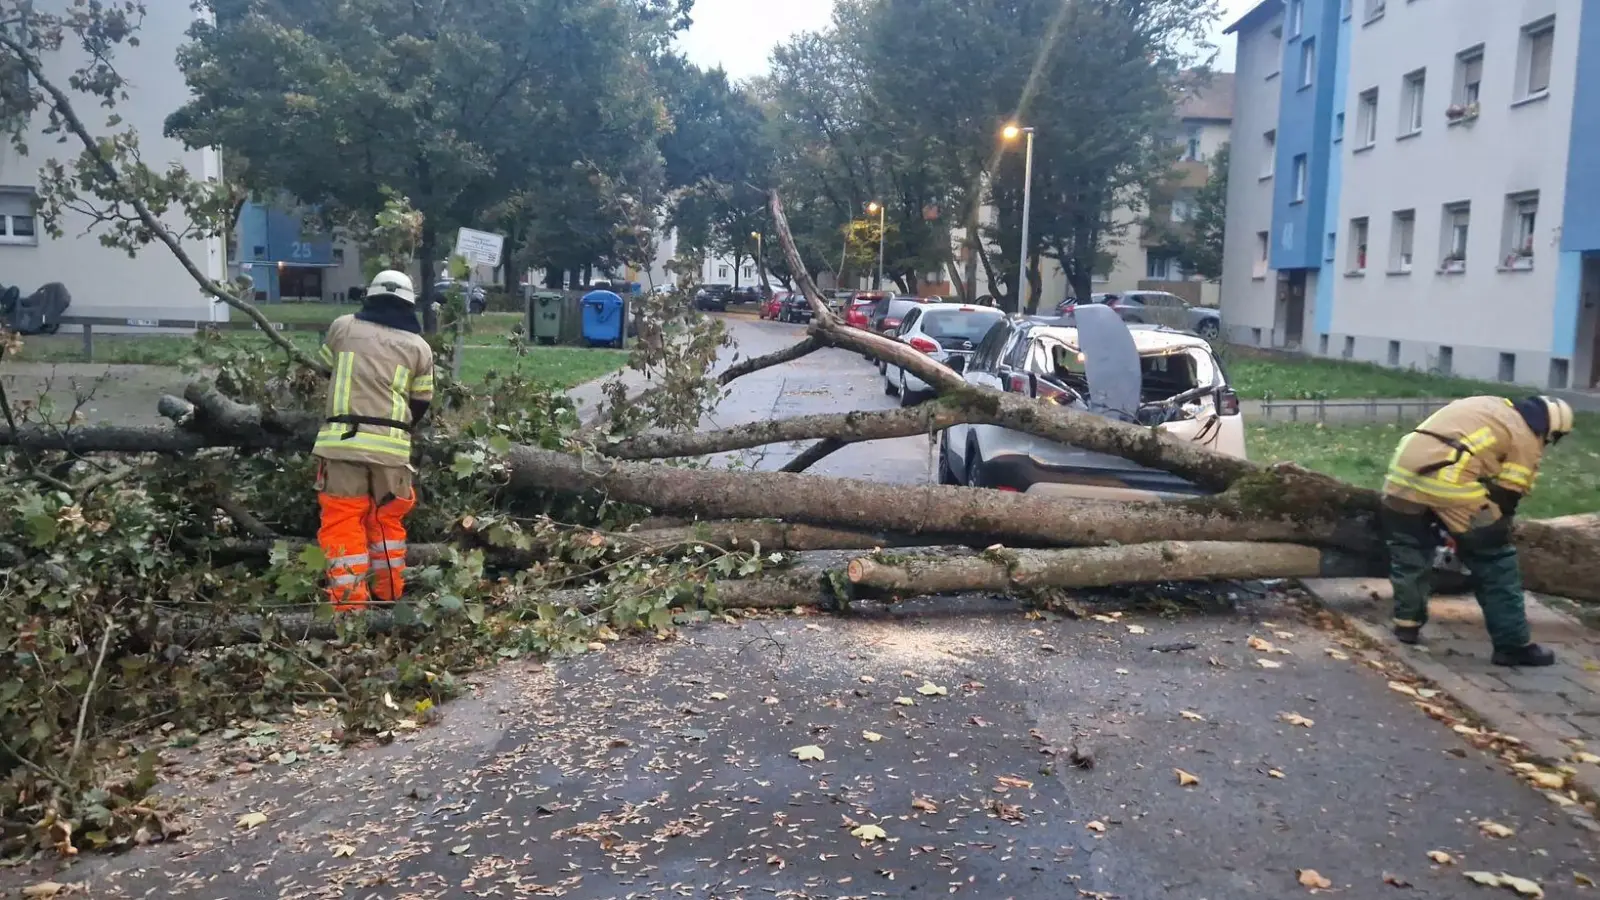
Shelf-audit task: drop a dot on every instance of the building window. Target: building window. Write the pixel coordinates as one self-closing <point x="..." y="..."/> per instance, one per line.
<point x="1411" y="102"/>
<point x="1344" y="8"/>
<point x="1162" y="268"/>
<point x="1301" y="178"/>
<point x="1259" y="270"/>
<point x="1269" y="160"/>
<point x="1522" y="218"/>
<point x="17" y="222"/>
<point x="722" y="271"/>
<point x="1297" y="17"/>
<point x="1453" y="253"/>
<point x="1367" y="119"/>
<point x="1338" y="127"/>
<point x="1403" y="233"/>
<point x="1182" y="208"/>
<point x="1533" y="64"/>
<point x="749" y="271"/>
<point x="338" y="256"/>
<point x="1308" y="61"/>
<point x="1328" y="246"/>
<point x="1277" y="35"/>
<point x="1469" y="75"/>
<point x="1191" y="150"/>
<point x="1374" y="9"/>
<point x="1358" y="245"/>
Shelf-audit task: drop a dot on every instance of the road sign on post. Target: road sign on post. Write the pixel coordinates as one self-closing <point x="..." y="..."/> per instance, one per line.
<point x="481" y="248"/>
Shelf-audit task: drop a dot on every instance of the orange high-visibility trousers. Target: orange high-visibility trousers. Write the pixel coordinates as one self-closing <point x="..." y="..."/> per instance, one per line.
<point x="363" y="530"/>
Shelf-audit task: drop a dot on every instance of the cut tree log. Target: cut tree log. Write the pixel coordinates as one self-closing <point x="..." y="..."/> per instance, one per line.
<point x="1093" y="567"/>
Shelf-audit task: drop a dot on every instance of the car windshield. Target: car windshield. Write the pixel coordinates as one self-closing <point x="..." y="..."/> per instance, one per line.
<point x="961" y="324"/>
<point x="1162" y="374"/>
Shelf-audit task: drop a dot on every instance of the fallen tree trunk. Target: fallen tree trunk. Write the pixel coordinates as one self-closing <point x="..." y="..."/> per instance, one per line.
<point x="1094" y="567"/>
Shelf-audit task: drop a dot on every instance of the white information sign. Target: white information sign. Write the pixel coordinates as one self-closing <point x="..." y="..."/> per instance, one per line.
<point x="481" y="248"/>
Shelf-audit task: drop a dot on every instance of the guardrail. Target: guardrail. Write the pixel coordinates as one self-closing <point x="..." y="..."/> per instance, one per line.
<point x="1376" y="410"/>
<point x="88" y="323"/>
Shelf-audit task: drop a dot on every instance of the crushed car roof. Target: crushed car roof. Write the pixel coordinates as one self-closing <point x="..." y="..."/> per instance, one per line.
<point x="1145" y="337"/>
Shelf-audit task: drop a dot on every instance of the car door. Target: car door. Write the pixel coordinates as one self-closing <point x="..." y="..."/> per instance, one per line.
<point x="980" y="372"/>
<point x="907" y="327"/>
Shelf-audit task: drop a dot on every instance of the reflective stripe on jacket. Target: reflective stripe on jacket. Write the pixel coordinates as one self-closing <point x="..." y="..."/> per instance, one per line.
<point x="377" y="372"/>
<point x="1447" y="460"/>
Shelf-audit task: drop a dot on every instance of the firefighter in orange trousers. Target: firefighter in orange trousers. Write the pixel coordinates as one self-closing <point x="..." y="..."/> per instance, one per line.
<point x="1466" y="468"/>
<point x="382" y="385"/>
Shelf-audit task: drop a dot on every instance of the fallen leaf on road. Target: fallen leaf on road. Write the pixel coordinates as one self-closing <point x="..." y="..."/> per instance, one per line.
<point x="808" y="753"/>
<point x="1551" y="780"/>
<point x="1559" y="799"/>
<point x="251" y="820"/>
<point x="1294" y="718"/>
<point x="1191" y="715"/>
<point x="342" y="851"/>
<point x="1585" y="756"/>
<point x="929" y="689"/>
<point x="904" y="701"/>
<point x="872" y="736"/>
<point x="924" y="804"/>
<point x="1274" y="773"/>
<point x="1269" y="664"/>
<point x="596" y="646"/>
<point x="1522" y="885"/>
<point x="1311" y="878"/>
<point x="717" y="695"/>
<point x="1441" y="857"/>
<point x="770" y="701"/>
<point x="388" y="700"/>
<point x="1096" y="826"/>
<point x="1257" y="643"/>
<point x="1122" y="671"/>
<point x="1408" y="690"/>
<point x="1495" y="829"/>
<point x="44" y="889"/>
<point x="459" y="849"/>
<point x="1010" y="782"/>
<point x="1582" y="880"/>
<point x="1336" y="653"/>
<point x="1186" y="779"/>
<point x="868" y="679"/>
<point x="1098" y="617"/>
<point x="1395" y="880"/>
<point x="868" y="833"/>
<point x="1283" y="635"/>
<point x="1487" y="879"/>
<point x="1136" y="629"/>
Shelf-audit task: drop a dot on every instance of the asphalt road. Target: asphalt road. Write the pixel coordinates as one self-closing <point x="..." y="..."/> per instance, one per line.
<point x="948" y="732"/>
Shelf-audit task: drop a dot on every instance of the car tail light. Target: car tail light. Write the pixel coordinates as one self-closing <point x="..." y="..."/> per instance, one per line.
<point x="924" y="345"/>
<point x="1050" y="393"/>
<point x="891" y="323"/>
<point x="1017" y="383"/>
<point x="1227" y="402"/>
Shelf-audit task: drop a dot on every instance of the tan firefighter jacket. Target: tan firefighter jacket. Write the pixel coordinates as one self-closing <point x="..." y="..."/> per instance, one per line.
<point x="1446" y="462"/>
<point x="377" y="372"/>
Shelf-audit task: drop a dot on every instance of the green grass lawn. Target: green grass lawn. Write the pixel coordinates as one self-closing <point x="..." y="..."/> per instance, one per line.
<point x="1569" y="480"/>
<point x="563" y="367"/>
<point x="1257" y="377"/>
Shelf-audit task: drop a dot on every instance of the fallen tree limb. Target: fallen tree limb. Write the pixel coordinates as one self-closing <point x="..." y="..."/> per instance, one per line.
<point x="1093" y="567"/>
<point x="845" y="428"/>
<point x="813" y="454"/>
<point x="753" y="364"/>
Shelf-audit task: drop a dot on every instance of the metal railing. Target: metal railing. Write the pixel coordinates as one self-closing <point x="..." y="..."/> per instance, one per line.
<point x="1366" y="410"/>
<point x="88" y="323"/>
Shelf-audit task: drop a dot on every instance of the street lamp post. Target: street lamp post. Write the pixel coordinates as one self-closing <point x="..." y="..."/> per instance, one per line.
<point x="1010" y="133"/>
<point x="876" y="207"/>
<point x="761" y="259"/>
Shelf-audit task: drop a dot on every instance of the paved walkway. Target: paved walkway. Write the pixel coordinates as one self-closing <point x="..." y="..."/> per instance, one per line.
<point x="1554" y="710"/>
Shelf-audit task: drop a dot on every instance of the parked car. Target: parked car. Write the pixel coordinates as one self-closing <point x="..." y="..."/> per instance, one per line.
<point x="477" y="299"/>
<point x="1161" y="308"/>
<point x="713" y="297"/>
<point x="769" y="307"/>
<point x="888" y="312"/>
<point x="859" y="315"/>
<point x="746" y="294"/>
<point x="947" y="333"/>
<point x="795" y="308"/>
<point x="1147" y="374"/>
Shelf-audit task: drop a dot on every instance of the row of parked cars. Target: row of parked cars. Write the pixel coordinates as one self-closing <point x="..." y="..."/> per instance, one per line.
<point x="1093" y="356"/>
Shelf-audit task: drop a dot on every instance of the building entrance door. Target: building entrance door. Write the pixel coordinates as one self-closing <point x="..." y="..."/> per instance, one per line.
<point x="1292" y="307"/>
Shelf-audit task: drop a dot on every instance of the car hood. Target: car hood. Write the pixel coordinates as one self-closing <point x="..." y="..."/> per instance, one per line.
<point x="1110" y="361"/>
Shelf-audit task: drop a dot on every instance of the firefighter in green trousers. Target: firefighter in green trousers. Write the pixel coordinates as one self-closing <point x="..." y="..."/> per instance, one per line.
<point x="1466" y="468"/>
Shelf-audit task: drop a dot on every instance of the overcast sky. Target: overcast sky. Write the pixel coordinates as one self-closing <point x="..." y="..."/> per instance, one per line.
<point x="739" y="34"/>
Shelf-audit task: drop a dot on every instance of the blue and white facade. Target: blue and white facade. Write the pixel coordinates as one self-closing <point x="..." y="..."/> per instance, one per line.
<point x="1432" y="204"/>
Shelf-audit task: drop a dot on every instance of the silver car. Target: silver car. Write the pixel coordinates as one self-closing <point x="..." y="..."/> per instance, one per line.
<point x="946" y="332"/>
<point x="1162" y="308"/>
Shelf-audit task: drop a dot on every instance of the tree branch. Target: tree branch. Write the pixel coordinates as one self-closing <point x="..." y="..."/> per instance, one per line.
<point x="847" y="428"/>
<point x="756" y="363"/>
<point x="813" y="455"/>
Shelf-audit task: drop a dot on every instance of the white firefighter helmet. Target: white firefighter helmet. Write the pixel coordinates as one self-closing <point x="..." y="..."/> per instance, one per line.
<point x="390" y="283"/>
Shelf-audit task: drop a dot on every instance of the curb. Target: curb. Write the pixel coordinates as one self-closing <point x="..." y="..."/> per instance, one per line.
<point x="1542" y="745"/>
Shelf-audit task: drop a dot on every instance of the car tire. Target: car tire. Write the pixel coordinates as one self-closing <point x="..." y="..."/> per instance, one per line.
<point x="477" y="307"/>
<point x="1210" y="329"/>
<point x="946" y="475"/>
<point x="907" y="397"/>
<point x="889" y="388"/>
<point x="973" y="477"/>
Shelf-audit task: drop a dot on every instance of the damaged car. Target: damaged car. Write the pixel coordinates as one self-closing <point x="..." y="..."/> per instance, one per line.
<point x="1147" y="375"/>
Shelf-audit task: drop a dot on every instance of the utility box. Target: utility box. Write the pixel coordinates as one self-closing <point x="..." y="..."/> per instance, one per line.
<point x="546" y="309"/>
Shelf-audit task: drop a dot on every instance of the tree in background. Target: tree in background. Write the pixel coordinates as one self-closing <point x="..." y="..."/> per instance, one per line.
<point x="1201" y="250"/>
<point x="456" y="106"/>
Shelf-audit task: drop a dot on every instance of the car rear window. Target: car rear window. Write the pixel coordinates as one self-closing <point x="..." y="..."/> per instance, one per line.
<point x="969" y="325"/>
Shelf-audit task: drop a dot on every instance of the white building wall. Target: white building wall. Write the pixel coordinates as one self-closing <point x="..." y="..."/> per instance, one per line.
<point x="103" y="281"/>
<point x="1249" y="288"/>
<point x="1514" y="146"/>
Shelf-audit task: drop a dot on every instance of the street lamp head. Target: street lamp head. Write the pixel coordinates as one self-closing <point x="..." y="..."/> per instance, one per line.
<point x="756" y="235"/>
<point x="873" y="207"/>
<point x="1010" y="132"/>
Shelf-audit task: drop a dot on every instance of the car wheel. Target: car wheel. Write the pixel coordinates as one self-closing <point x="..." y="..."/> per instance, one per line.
<point x="907" y="397"/>
<point x="974" y="473"/>
<point x="946" y="475"/>
<point x="889" y="387"/>
<point x="1210" y="329"/>
<point x="477" y="307"/>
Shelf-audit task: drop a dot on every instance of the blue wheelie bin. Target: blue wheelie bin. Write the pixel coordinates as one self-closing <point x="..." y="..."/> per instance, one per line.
<point x="602" y="319"/>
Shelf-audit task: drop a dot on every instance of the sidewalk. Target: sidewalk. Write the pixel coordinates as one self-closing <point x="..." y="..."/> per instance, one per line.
<point x="1555" y="711"/>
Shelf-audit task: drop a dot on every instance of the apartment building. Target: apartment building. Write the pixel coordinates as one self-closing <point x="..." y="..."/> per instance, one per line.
<point x="1428" y="194"/>
<point x="101" y="280"/>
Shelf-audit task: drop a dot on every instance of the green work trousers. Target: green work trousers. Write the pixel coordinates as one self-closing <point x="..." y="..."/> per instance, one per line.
<point x="1488" y="555"/>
